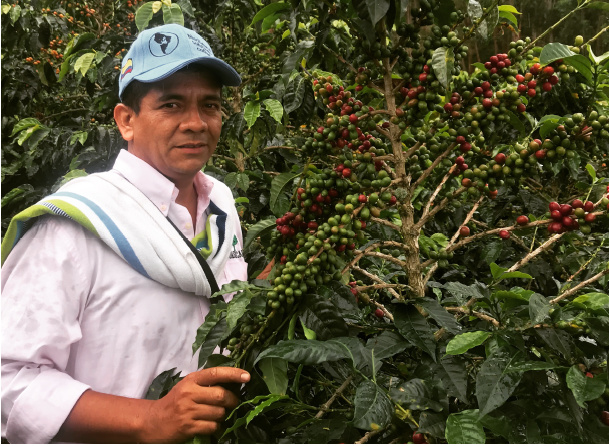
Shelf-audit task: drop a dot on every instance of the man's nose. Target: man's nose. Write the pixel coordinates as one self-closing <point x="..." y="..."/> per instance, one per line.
<point x="194" y="120"/>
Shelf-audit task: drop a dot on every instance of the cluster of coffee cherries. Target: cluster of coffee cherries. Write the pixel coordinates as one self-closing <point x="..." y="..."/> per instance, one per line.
<point x="569" y="217"/>
<point x="537" y="77"/>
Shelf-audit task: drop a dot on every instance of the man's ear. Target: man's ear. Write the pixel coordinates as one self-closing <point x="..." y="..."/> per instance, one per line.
<point x="123" y="115"/>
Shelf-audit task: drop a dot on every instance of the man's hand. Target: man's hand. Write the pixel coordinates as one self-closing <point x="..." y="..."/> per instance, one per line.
<point x="195" y="406"/>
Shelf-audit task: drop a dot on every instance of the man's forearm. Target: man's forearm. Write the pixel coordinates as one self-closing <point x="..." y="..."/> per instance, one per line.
<point x="102" y="418"/>
<point x="194" y="406"/>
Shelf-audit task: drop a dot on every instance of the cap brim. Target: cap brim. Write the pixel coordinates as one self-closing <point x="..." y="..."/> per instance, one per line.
<point x="225" y="73"/>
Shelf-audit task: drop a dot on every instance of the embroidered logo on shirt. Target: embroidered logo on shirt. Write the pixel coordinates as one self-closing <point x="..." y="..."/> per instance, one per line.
<point x="235" y="253"/>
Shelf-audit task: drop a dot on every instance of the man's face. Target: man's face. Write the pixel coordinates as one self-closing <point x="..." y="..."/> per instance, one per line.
<point x="178" y="126"/>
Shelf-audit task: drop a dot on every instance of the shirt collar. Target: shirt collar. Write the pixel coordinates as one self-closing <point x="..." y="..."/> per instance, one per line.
<point x="160" y="190"/>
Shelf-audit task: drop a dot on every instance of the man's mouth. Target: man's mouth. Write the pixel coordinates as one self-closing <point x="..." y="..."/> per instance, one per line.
<point x="191" y="145"/>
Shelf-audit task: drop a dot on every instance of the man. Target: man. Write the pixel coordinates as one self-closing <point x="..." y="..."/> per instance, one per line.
<point x="100" y="293"/>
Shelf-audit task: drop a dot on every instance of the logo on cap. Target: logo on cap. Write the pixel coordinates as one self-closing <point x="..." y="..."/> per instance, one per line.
<point x="128" y="68"/>
<point x="163" y="44"/>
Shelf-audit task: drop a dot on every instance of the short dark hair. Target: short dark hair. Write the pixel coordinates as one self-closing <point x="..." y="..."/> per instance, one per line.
<point x="136" y="90"/>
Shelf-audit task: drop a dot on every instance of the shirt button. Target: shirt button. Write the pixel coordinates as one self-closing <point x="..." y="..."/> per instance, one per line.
<point x="187" y="226"/>
<point x="163" y="208"/>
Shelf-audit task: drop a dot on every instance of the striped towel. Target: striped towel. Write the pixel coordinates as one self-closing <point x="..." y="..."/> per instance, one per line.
<point x="119" y="214"/>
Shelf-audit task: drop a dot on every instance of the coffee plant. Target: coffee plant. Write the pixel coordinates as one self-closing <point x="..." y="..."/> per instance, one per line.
<point x="425" y="193"/>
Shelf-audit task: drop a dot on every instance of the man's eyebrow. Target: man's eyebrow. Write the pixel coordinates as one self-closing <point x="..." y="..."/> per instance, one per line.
<point x="179" y="96"/>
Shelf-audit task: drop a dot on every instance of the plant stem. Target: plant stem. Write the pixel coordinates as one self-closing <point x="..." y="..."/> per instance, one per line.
<point x="579" y="286"/>
<point x="588" y="261"/>
<point x="544" y="247"/>
<point x="324" y="408"/>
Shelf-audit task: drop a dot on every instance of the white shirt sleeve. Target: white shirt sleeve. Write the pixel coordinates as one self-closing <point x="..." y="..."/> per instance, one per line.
<point x="44" y="290"/>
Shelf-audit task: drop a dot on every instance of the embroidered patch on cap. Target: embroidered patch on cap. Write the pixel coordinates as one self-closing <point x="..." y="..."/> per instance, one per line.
<point x="128" y="68"/>
<point x="163" y="44"/>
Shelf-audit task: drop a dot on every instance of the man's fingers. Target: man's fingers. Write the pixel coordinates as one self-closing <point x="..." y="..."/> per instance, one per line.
<point x="209" y="413"/>
<point x="218" y="375"/>
<point x="215" y="396"/>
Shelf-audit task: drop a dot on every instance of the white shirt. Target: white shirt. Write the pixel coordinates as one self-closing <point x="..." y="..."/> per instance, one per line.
<point x="75" y="316"/>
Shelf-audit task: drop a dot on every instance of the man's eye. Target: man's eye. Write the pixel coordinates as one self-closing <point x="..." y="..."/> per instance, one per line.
<point x="169" y="105"/>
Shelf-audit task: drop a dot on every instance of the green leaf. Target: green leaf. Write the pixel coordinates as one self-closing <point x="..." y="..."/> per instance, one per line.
<point x="581" y="64"/>
<point x="584" y="388"/>
<point x="464" y="428"/>
<point x="275" y="374"/>
<point x="509" y="17"/>
<point x="236" y="308"/>
<point x="527" y="366"/>
<point x="6" y="8"/>
<point x="307" y="352"/>
<point x="433" y="424"/>
<point x="235" y="285"/>
<point x="387" y="344"/>
<point x="243" y="180"/>
<point x="554" y="51"/>
<point x="260" y="228"/>
<point x="83" y="63"/>
<point x="321" y="316"/>
<point x="452" y="372"/>
<point x="325" y="431"/>
<point x="173" y="14"/>
<point x="442" y="317"/>
<point x="372" y="407"/>
<point x="24" y="124"/>
<point x="162" y="384"/>
<point x="26" y="134"/>
<point x="263" y="406"/>
<point x="275" y="109"/>
<point x="80" y="136"/>
<point x="413" y="326"/>
<point x="295" y="91"/>
<point x="539" y="309"/>
<point x="309" y="334"/>
<point x="591" y="172"/>
<point x="557" y="340"/>
<point x="269" y="10"/>
<point x="74" y="173"/>
<point x="213" y="316"/>
<point x="515" y="122"/>
<point x="494" y="384"/>
<point x="186" y="7"/>
<point x="417" y="394"/>
<point x="251" y="112"/>
<point x="280" y="182"/>
<point x="15" y="14"/>
<point x="443" y="62"/>
<point x="491" y="251"/>
<point x="217" y="333"/>
<point x="460" y="289"/>
<point x="598" y="5"/>
<point x="143" y="15"/>
<point x="377" y="9"/>
<point x="592" y="301"/>
<point x="508" y="8"/>
<point x="500" y="273"/>
<point x="463" y="342"/>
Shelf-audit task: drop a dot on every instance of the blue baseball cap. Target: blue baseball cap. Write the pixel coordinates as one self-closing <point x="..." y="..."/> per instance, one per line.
<point x="159" y="52"/>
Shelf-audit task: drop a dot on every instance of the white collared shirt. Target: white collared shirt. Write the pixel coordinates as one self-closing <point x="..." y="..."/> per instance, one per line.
<point x="75" y="316"/>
